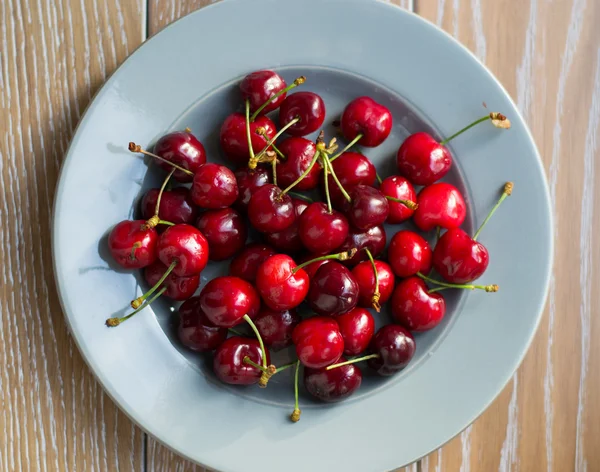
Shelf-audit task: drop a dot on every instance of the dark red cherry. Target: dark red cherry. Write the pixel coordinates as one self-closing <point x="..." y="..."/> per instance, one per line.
<point x="364" y="116"/>
<point x="351" y="169"/>
<point x="409" y="253"/>
<point x="422" y="159"/>
<point x="186" y="245"/>
<point x="440" y="204"/>
<point x="183" y="149"/>
<point x="321" y="231"/>
<point x="395" y="347"/>
<point x="246" y="263"/>
<point x="400" y="188"/>
<point x="260" y="86"/>
<point x="367" y="208"/>
<point x="176" y="206"/>
<point x="333" y="290"/>
<point x="214" y="187"/>
<point x="280" y="284"/>
<point x="248" y="182"/>
<point x="458" y="258"/>
<point x="195" y="331"/>
<point x="365" y="278"/>
<point x="307" y="106"/>
<point x="234" y="140"/>
<point x="357" y="328"/>
<point x="177" y="288"/>
<point x="270" y="210"/>
<point x="288" y="240"/>
<point x="414" y="307"/>
<point x="276" y="327"/>
<point x="318" y="341"/>
<point x="373" y="239"/>
<point x="312" y="268"/>
<point x="225" y="230"/>
<point x="299" y="154"/>
<point x="225" y="300"/>
<point x="132" y="244"/>
<point x="333" y="385"/>
<point x="229" y="365"/>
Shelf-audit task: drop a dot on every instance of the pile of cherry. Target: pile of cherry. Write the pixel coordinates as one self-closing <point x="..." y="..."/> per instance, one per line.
<point x="328" y="255"/>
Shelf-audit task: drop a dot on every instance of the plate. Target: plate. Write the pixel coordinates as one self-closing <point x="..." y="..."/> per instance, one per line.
<point x="187" y="76"/>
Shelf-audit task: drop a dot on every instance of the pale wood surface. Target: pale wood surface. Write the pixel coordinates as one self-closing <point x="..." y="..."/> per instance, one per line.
<point x="55" y="54"/>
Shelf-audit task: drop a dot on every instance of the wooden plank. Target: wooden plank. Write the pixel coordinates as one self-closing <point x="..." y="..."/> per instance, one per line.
<point x="53" y="56"/>
<point x="547" y="55"/>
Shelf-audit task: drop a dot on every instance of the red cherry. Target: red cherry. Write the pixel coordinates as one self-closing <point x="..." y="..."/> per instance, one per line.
<point x="321" y="231"/>
<point x="357" y="328"/>
<point x="400" y="188"/>
<point x="186" y="245"/>
<point x="365" y="277"/>
<point x="183" y="149"/>
<point x="394" y="346"/>
<point x="333" y="290"/>
<point x="423" y="160"/>
<point x="373" y="239"/>
<point x="270" y="210"/>
<point x="229" y="365"/>
<point x="367" y="208"/>
<point x="289" y="240"/>
<point x="260" y="86"/>
<point x="414" y="307"/>
<point x="248" y="182"/>
<point x="318" y="341"/>
<point x="234" y="140"/>
<point x="195" y="331"/>
<point x="177" y="288"/>
<point x="225" y="230"/>
<point x="458" y="258"/>
<point x="307" y="106"/>
<point x="176" y="206"/>
<point x="246" y="263"/>
<point x="214" y="186"/>
<point x="333" y="385"/>
<point x="132" y="244"/>
<point x="351" y="169"/>
<point x="276" y="327"/>
<point x="225" y="300"/>
<point x="281" y="285"/>
<point x="440" y="204"/>
<point x="409" y="253"/>
<point x="365" y="118"/>
<point x="299" y="153"/>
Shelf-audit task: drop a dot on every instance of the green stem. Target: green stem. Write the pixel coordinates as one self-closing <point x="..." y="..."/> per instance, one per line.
<point x="326" y="181"/>
<point x="276" y="149"/>
<point x="353" y="361"/>
<point x="260" y="341"/>
<point x="352" y="143"/>
<point x="438" y="233"/>
<point x="487" y="288"/>
<point x="302" y="197"/>
<point x="237" y="333"/>
<point x="376" y="295"/>
<point x="407" y="203"/>
<point x="304" y="174"/>
<point x="342" y="256"/>
<point x="248" y="136"/>
<point x="295" y="416"/>
<point x="112" y="322"/>
<point x="327" y="162"/>
<point x="475" y="123"/>
<point x="300" y="80"/>
<point x="379" y="180"/>
<point x="274" y="138"/>
<point x="274" y="166"/>
<point x="249" y="361"/>
<point x="163" y="222"/>
<point x="162" y="189"/>
<point x="138" y="301"/>
<point x="437" y="289"/>
<point x="285" y="366"/>
<point x="137" y="148"/>
<point x="507" y="191"/>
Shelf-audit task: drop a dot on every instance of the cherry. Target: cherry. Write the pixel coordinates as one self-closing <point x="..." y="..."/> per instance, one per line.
<point x="393" y="347"/>
<point x="260" y="87"/>
<point x="245" y="265"/>
<point x="225" y="300"/>
<point x="275" y="327"/>
<point x="195" y="331"/>
<point x="367" y="207"/>
<point x="398" y="188"/>
<point x="248" y="182"/>
<point x="357" y="328"/>
<point x="307" y="106"/>
<point x="333" y="290"/>
<point x="351" y="169"/>
<point x="333" y="385"/>
<point x="440" y="204"/>
<point x="132" y="244"/>
<point x="409" y="253"/>
<point x="372" y="291"/>
<point x="214" y="186"/>
<point x="229" y="365"/>
<point x="318" y="341"/>
<point x="365" y="121"/>
<point x="289" y="240"/>
<point x="177" y="288"/>
<point x="185" y="245"/>
<point x="176" y="206"/>
<point x="281" y="283"/>
<point x="415" y="307"/>
<point x="225" y="230"/>
<point x="373" y="239"/>
<point x="183" y="149"/>
<point x="271" y="210"/>
<point x="299" y="154"/>
<point x="322" y="230"/>
<point x="234" y="138"/>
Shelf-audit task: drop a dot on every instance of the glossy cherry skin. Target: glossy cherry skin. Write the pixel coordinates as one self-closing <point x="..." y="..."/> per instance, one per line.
<point x="318" y="342"/>
<point x="229" y="365"/>
<point x="395" y="346"/>
<point x="312" y="268"/>
<point x="333" y="385"/>
<point x="374" y="239"/>
<point x="131" y="245"/>
<point x="422" y="160"/>
<point x="248" y="182"/>
<point x="308" y="106"/>
<point x="368" y="207"/>
<point x="440" y="204"/>
<point x="270" y="210"/>
<point x="458" y="258"/>
<point x="225" y="230"/>
<point x="299" y="153"/>
<point x="365" y="278"/>
<point x="357" y="328"/>
<point x="398" y="187"/>
<point x="181" y="148"/>
<point x="321" y="231"/>
<point x="279" y="287"/>
<point x="186" y="245"/>
<point x="225" y="300"/>
<point x="214" y="187"/>
<point x="333" y="290"/>
<point x="288" y="240"/>
<point x="245" y="265"/>
<point x="365" y="116"/>
<point x="234" y="140"/>
<point x="260" y="86"/>
<point x="177" y="288"/>
<point x="176" y="206"/>
<point x="276" y="327"/>
<point x="195" y="331"/>
<point x="351" y="169"/>
<point x="414" y="307"/>
<point x="409" y="253"/>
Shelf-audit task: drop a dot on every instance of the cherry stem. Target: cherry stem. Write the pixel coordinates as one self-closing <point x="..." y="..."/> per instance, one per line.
<point x="438" y="233"/>
<point x="376" y="295"/>
<point x="138" y="301"/>
<point x="437" y="289"/>
<point x="276" y="149"/>
<point x="340" y="186"/>
<point x="407" y="203"/>
<point x="487" y="288"/>
<point x="498" y="120"/>
<point x="342" y="256"/>
<point x="304" y="174"/>
<point x="285" y="367"/>
<point x="160" y="193"/>
<point x="112" y="322"/>
<point x="302" y="197"/>
<point x="248" y="136"/>
<point x="353" y="361"/>
<point x="273" y="139"/>
<point x="274" y="165"/>
<point x="137" y="148"/>
<point x="237" y="333"/>
<point x="350" y="144"/>
<point x="164" y="222"/>
<point x="267" y="373"/>
<point x="299" y="81"/>
<point x="326" y="181"/>
<point x="508" y="188"/>
<point x="379" y="180"/>
<point x="249" y="361"/>
<point x="295" y="416"/>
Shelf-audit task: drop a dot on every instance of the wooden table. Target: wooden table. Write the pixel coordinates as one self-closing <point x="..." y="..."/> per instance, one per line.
<point x="55" y="54"/>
